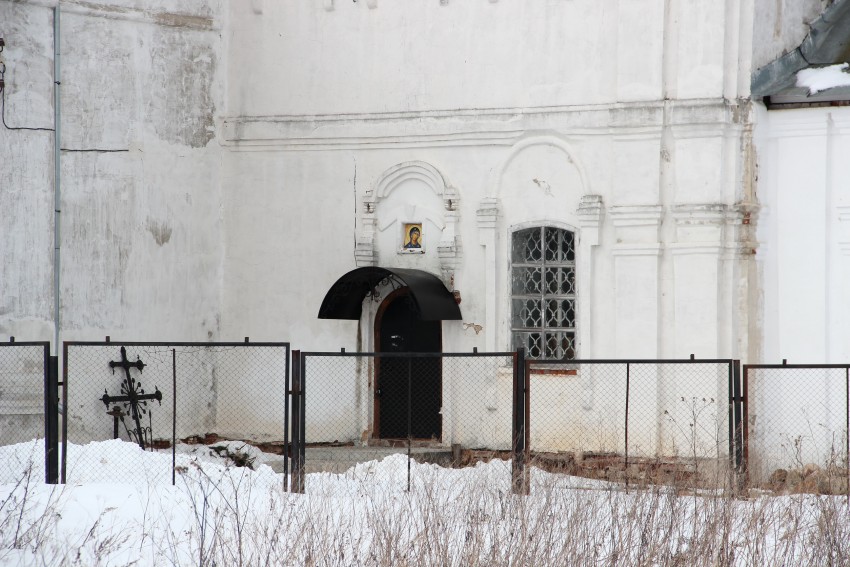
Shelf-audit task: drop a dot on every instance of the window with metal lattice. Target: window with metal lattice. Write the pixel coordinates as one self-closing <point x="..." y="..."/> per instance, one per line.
<point x="543" y="294"/>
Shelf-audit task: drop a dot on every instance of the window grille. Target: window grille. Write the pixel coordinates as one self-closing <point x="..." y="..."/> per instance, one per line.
<point x="543" y="295"/>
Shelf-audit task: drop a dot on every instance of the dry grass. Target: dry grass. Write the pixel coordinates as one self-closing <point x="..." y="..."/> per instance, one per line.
<point x="451" y="517"/>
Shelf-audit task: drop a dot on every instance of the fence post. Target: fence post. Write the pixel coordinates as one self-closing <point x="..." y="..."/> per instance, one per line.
<point x="287" y="400"/>
<point x="297" y="442"/>
<point x="519" y="476"/>
<point x="626" y="425"/>
<point x="737" y="429"/>
<point x="409" y="415"/>
<point x="64" y="412"/>
<point x="733" y="424"/>
<point x="51" y="418"/>
<point x="173" y="416"/>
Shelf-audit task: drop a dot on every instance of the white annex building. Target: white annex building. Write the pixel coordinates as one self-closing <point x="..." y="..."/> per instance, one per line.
<point x="581" y="178"/>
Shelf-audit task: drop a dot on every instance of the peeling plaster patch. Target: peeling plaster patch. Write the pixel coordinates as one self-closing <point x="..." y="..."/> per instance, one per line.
<point x="180" y="106"/>
<point x="26" y="181"/>
<point x="107" y="85"/>
<point x="161" y="232"/>
<point x="100" y="230"/>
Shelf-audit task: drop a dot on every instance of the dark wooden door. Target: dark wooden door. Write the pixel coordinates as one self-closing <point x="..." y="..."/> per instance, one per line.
<point x="407" y="385"/>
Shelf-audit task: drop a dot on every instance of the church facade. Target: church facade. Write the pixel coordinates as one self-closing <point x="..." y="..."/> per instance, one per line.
<point x="584" y="179"/>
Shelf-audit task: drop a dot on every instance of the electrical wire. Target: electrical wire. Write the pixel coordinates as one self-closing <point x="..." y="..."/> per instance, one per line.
<point x="3" y="114"/>
<point x="105" y="151"/>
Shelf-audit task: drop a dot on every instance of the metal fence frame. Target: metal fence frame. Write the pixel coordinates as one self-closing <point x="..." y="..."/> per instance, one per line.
<point x="297" y="394"/>
<point x="745" y="434"/>
<point x="51" y="397"/>
<point x="175" y="344"/>
<point x="739" y="387"/>
<point x="736" y="411"/>
<point x="521" y="404"/>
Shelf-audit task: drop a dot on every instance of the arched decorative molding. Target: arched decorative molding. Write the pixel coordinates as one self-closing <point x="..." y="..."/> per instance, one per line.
<point x="494" y="187"/>
<point x="397" y="174"/>
<point x="448" y="249"/>
<point x="492" y="232"/>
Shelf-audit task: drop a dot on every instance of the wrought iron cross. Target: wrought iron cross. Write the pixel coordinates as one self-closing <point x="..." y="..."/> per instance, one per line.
<point x="133" y="394"/>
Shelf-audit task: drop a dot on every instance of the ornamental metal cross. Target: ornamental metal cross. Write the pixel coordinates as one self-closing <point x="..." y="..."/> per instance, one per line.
<point x="133" y="394"/>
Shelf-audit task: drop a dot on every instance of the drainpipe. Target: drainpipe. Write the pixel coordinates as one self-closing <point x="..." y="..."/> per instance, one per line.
<point x="56" y="177"/>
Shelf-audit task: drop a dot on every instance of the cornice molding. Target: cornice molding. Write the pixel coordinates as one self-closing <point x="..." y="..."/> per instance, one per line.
<point x="464" y="127"/>
<point x="700" y="214"/>
<point x="636" y="215"/>
<point x="801" y="123"/>
<point x="697" y="248"/>
<point x="640" y="249"/>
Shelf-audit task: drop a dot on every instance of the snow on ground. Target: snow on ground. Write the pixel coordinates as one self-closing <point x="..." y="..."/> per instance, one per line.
<point x="219" y="514"/>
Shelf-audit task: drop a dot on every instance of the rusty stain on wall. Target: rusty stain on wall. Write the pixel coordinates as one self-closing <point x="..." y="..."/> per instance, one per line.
<point x="164" y="18"/>
<point x="183" y="21"/>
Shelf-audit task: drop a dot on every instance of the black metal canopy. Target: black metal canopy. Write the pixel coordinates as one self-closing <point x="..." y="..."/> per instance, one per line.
<point x="344" y="299"/>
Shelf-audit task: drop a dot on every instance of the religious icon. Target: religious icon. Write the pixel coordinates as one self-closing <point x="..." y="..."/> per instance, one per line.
<point x="412" y="238"/>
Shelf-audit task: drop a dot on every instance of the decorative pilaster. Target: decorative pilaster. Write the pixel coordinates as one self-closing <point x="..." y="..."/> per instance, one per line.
<point x="589" y="212"/>
<point x="739" y="270"/>
<point x="637" y="299"/>
<point x="699" y="285"/>
<point x="636" y="279"/>
<point x="590" y="215"/>
<point x="842" y="311"/>
<point x="364" y="246"/>
<point x="449" y="249"/>
<point x="488" y="218"/>
<point x="844" y="230"/>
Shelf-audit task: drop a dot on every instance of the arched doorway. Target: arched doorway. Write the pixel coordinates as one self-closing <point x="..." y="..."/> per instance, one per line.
<point x="408" y="390"/>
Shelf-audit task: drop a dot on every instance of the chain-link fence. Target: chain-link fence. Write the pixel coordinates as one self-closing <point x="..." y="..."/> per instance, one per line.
<point x="451" y="409"/>
<point x="797" y="426"/>
<point x="174" y="397"/>
<point x="640" y="421"/>
<point x="24" y="368"/>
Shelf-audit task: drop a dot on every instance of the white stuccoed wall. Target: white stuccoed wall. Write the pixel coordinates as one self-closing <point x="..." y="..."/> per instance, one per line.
<point x="804" y="270"/>
<point x="529" y="112"/>
<point x="804" y="234"/>
<point x="141" y="230"/>
<point x="26" y="175"/>
<point x="257" y="133"/>
<point x="335" y="108"/>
